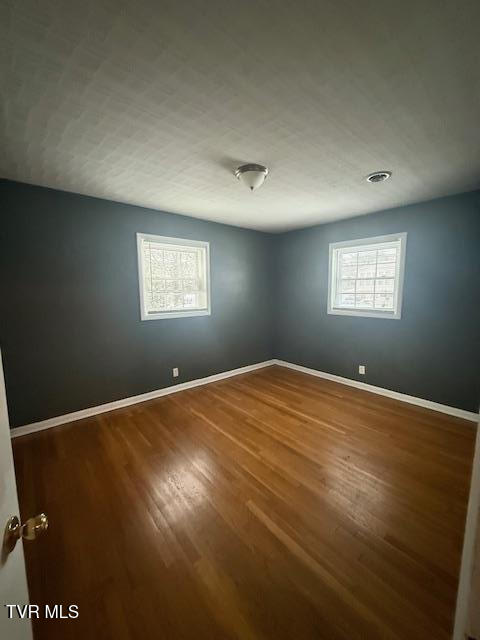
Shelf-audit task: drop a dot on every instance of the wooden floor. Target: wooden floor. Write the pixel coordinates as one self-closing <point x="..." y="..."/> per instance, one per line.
<point x="269" y="505"/>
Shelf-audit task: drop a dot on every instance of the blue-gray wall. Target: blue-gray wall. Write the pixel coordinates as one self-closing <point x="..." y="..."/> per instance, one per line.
<point x="70" y="328"/>
<point x="433" y="351"/>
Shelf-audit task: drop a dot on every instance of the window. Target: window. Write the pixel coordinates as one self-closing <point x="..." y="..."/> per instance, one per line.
<point x="174" y="277"/>
<point x="366" y="277"/>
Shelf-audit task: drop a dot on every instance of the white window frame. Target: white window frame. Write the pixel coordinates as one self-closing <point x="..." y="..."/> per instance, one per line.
<point x="368" y="243"/>
<point x="175" y="242"/>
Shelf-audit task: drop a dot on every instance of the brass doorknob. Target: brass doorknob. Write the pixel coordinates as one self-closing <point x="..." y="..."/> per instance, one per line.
<point x="30" y="530"/>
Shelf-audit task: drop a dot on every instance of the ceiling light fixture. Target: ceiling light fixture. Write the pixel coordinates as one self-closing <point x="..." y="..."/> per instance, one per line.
<point x="252" y="175"/>
<point x="378" y="176"/>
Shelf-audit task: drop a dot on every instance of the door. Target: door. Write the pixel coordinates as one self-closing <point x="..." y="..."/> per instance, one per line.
<point x="13" y="582"/>
<point x="467" y="619"/>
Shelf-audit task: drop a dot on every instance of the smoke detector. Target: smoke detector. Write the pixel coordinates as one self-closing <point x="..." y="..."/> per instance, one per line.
<point x="378" y="176"/>
<point x="252" y="175"/>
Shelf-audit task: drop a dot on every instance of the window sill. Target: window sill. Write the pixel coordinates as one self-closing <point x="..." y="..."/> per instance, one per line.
<point x="176" y="314"/>
<point x="386" y="315"/>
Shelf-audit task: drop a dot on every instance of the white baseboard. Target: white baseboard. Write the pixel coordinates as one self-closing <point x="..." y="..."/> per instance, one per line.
<point x="125" y="402"/>
<point x="420" y="402"/>
<point x="150" y="395"/>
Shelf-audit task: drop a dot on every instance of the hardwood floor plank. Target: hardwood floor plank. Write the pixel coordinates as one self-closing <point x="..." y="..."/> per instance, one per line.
<point x="269" y="505"/>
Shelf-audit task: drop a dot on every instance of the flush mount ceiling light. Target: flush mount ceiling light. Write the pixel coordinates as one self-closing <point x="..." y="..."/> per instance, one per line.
<point x="252" y="175"/>
<point x="378" y="176"/>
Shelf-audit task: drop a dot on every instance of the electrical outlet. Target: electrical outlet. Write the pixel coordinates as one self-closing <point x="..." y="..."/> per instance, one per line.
<point x="175" y="372"/>
<point x="362" y="369"/>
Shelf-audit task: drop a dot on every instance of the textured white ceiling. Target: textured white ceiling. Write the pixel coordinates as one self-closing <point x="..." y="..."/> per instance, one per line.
<point x="156" y="102"/>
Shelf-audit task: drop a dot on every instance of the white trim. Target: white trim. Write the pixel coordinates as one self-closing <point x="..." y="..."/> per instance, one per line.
<point x="420" y="402"/>
<point x="150" y="395"/>
<point x="126" y="402"/>
<point x="167" y="315"/>
<point x="472" y="530"/>
<point x="368" y="243"/>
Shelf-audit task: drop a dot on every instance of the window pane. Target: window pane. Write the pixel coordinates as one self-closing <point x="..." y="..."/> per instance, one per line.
<point x="384" y="286"/>
<point x="191" y="285"/>
<point x="174" y="285"/>
<point x="387" y="255"/>
<point x="365" y="286"/>
<point x="367" y="257"/>
<point x="171" y="257"/>
<point x="367" y="270"/>
<point x="188" y="264"/>
<point x="348" y="259"/>
<point x="347" y="286"/>
<point x="364" y="300"/>
<point x="174" y="301"/>
<point x="386" y="270"/>
<point x="158" y="286"/>
<point x="157" y="301"/>
<point x="172" y="270"/>
<point x="190" y="300"/>
<point x="348" y="272"/>
<point x="384" y="301"/>
<point x="347" y="300"/>
<point x="156" y="263"/>
<point x="146" y="262"/>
